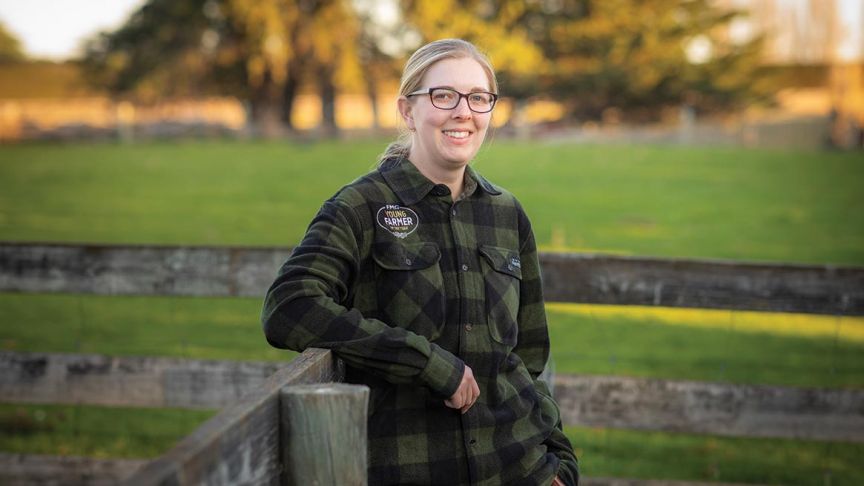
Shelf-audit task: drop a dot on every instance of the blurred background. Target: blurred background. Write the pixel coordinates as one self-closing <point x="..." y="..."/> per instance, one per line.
<point x="272" y="68"/>
<point x="698" y="129"/>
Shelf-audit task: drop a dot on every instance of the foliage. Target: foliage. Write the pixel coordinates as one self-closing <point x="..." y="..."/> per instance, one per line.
<point x="633" y="56"/>
<point x="162" y="51"/>
<point x="502" y="29"/>
<point x="593" y="55"/>
<point x="259" y="51"/>
<point x="10" y="47"/>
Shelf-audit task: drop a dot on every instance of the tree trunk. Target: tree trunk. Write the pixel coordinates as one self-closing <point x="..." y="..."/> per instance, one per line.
<point x="289" y="95"/>
<point x="327" y="91"/>
<point x="265" y="110"/>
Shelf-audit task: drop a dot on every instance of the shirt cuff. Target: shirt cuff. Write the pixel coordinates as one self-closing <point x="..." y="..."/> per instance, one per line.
<point x="443" y="372"/>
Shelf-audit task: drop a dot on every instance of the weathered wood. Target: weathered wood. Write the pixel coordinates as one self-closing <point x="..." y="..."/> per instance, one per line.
<point x="30" y="469"/>
<point x="323" y="431"/>
<point x="131" y="381"/>
<point x="746" y="410"/>
<point x="711" y="408"/>
<point x="602" y="279"/>
<point x="138" y="269"/>
<point x="240" y="445"/>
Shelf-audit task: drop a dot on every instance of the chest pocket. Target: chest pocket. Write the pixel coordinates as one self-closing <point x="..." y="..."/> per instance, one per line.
<point x="502" y="275"/>
<point x="410" y="287"/>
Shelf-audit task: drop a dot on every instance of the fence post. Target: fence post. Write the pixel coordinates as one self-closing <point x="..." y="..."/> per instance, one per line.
<point x="323" y="431"/>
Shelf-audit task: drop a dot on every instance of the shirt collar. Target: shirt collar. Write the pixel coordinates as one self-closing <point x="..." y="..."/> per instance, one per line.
<point x="411" y="186"/>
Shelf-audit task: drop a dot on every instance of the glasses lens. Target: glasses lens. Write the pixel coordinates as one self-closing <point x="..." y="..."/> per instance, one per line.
<point x="481" y="102"/>
<point x="444" y="98"/>
<point x="447" y="99"/>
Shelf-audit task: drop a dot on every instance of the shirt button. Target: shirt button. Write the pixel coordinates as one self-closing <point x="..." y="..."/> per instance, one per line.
<point x="453" y="212"/>
<point x="468" y="327"/>
<point x="464" y="268"/>
<point x="408" y="261"/>
<point x="472" y="441"/>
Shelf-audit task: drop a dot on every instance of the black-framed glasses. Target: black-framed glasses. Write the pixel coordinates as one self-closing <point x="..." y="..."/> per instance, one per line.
<point x="448" y="99"/>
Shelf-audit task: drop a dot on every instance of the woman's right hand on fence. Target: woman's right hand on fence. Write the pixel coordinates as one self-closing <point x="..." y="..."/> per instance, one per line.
<point x="466" y="394"/>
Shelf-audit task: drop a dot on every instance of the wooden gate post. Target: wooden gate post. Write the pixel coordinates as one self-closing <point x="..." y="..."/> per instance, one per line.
<point x="323" y="430"/>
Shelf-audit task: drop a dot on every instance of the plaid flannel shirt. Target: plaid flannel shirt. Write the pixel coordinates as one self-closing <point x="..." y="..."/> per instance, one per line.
<point x="407" y="287"/>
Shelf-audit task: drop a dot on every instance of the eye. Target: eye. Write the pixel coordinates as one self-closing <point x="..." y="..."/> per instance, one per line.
<point x="481" y="99"/>
<point x="443" y="95"/>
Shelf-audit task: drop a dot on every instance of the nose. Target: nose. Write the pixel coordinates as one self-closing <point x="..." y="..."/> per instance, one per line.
<point x="462" y="110"/>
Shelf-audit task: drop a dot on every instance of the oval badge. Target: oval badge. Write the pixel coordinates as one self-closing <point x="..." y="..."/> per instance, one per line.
<point x="399" y="221"/>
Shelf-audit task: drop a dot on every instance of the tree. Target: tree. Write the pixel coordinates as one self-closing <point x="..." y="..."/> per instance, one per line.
<point x="595" y="54"/>
<point x="10" y="47"/>
<point x="499" y="27"/>
<point x="260" y="51"/>
<point x="632" y="55"/>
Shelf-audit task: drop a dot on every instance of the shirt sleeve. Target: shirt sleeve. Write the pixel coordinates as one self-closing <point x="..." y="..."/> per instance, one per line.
<point x="304" y="308"/>
<point x="533" y="348"/>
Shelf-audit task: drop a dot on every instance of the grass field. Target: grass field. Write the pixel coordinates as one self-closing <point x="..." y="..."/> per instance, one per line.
<point x="668" y="201"/>
<point x="103" y="432"/>
<point x="140" y="433"/>
<point x="663" y="201"/>
<point x="671" y="343"/>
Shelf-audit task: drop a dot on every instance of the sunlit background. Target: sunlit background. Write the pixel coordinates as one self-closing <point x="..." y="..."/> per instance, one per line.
<point x="676" y="129"/>
<point x="237" y="67"/>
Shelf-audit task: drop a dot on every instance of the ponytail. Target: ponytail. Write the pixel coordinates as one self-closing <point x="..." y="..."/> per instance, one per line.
<point x="398" y="149"/>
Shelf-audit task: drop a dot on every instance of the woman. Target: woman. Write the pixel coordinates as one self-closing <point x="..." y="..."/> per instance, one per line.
<point x="423" y="277"/>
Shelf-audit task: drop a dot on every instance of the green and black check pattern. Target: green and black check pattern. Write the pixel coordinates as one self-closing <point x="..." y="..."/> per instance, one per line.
<point x="407" y="313"/>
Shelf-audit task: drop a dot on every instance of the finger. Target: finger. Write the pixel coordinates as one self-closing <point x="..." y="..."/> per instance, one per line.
<point x="466" y="407"/>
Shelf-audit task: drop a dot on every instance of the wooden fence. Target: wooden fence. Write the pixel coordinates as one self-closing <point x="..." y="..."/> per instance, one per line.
<point x="241" y="442"/>
<point x="585" y="278"/>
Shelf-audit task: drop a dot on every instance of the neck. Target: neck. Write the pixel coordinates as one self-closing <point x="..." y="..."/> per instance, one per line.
<point x="452" y="178"/>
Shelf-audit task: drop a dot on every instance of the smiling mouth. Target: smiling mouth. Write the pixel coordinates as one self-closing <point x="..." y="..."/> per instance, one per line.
<point x="457" y="133"/>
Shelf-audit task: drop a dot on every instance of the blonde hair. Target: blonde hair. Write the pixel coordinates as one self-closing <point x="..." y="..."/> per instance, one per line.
<point x="415" y="69"/>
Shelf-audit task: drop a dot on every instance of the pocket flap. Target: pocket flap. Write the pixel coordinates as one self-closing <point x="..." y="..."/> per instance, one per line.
<point x="401" y="256"/>
<point x="503" y="260"/>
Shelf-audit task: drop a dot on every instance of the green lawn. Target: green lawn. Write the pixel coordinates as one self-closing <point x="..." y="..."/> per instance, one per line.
<point x="104" y="432"/>
<point x="645" y="200"/>
<point x="634" y="344"/>
<point x="660" y="455"/>
<point x="641" y="200"/>
<point x="121" y="432"/>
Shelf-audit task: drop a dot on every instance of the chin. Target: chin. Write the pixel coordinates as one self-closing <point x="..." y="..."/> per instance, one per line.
<point x="459" y="159"/>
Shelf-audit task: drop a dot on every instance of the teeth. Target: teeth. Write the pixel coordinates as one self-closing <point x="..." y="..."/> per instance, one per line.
<point x="455" y="134"/>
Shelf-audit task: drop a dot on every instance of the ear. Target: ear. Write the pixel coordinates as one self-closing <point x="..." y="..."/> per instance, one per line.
<point x="405" y="110"/>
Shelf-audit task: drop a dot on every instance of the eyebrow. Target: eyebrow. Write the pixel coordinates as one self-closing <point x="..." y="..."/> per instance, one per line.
<point x="472" y="90"/>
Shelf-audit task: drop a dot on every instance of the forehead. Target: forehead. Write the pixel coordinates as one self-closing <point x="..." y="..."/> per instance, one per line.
<point x="464" y="74"/>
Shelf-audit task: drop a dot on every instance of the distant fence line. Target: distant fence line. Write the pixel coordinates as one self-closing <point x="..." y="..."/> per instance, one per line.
<point x="88" y="118"/>
<point x="98" y="117"/>
<point x="581" y="278"/>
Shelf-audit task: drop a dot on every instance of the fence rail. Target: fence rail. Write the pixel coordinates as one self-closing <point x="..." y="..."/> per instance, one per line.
<point x="595" y="401"/>
<point x="241" y="444"/>
<point x="584" y="278"/>
<point x="245" y="441"/>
